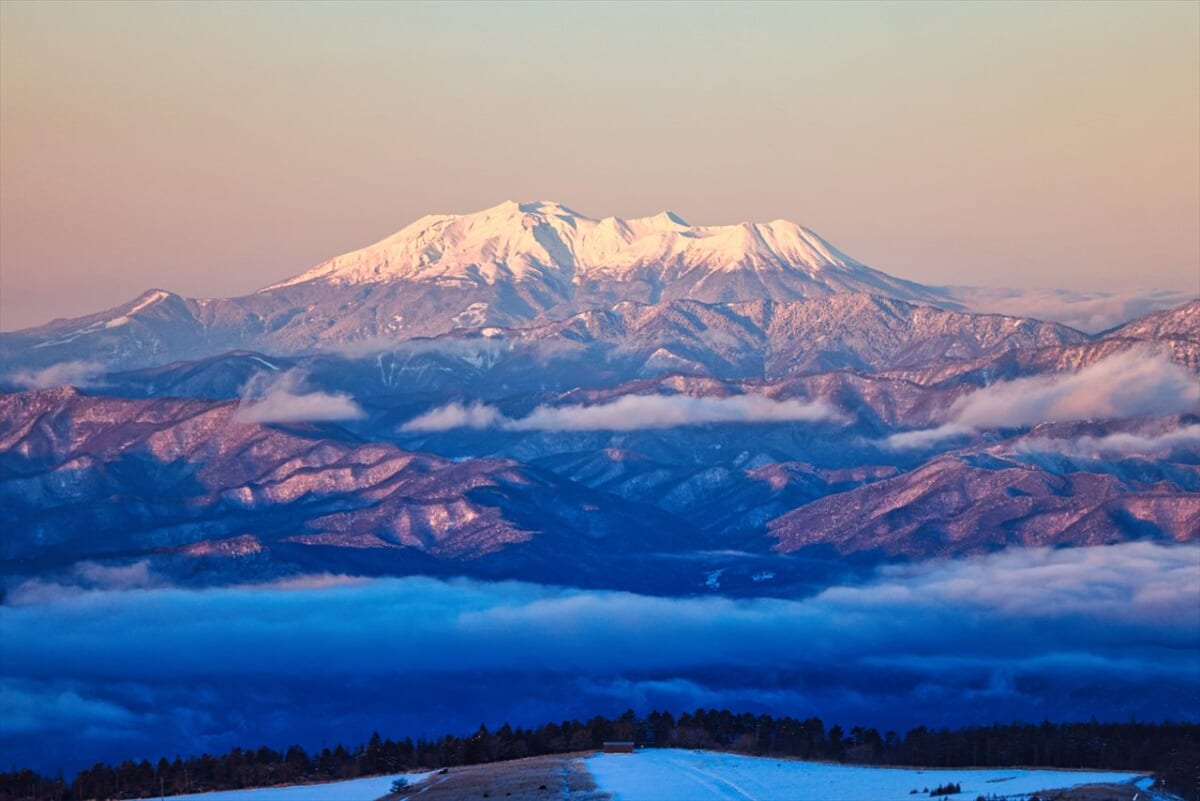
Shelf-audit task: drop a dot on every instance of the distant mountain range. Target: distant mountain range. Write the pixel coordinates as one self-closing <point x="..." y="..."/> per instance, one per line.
<point x="530" y="393"/>
<point x="506" y="266"/>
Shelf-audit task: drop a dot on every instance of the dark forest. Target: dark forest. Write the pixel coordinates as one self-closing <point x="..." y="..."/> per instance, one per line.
<point x="1171" y="751"/>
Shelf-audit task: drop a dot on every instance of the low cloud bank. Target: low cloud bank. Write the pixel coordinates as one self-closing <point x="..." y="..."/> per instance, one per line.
<point x="87" y="577"/>
<point x="468" y="625"/>
<point x="457" y="415"/>
<point x="926" y="437"/>
<point x="1183" y="440"/>
<point x="1135" y="383"/>
<point x="284" y="398"/>
<point x="628" y="413"/>
<point x="1110" y="631"/>
<point x="75" y="373"/>
<point x="1092" y="312"/>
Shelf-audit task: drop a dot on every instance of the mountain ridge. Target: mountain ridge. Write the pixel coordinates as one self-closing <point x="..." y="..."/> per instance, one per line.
<point x="510" y="266"/>
<point x="504" y="266"/>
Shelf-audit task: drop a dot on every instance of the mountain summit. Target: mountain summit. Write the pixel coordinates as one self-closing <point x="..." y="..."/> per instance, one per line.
<point x="550" y="244"/>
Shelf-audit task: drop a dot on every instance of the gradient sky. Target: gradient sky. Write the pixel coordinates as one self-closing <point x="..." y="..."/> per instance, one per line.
<point x="214" y="148"/>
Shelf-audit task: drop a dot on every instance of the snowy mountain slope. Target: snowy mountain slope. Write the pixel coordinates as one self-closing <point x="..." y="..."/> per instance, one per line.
<point x="154" y="328"/>
<point x="778" y="338"/>
<point x="747" y="340"/>
<point x="1014" y="363"/>
<point x="86" y="477"/>
<point x="186" y="483"/>
<point x="1179" y="323"/>
<point x="979" y="502"/>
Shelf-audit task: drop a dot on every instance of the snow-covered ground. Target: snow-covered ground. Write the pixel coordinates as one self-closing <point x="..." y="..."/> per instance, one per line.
<point x="677" y="775"/>
<point x="353" y="790"/>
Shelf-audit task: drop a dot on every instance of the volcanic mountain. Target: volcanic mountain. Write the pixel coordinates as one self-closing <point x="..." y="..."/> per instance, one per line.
<point x="504" y="266"/>
<point x="571" y="257"/>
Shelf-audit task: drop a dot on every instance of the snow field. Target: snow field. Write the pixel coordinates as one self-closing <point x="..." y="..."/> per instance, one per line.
<point x="353" y="790"/>
<point x="677" y="775"/>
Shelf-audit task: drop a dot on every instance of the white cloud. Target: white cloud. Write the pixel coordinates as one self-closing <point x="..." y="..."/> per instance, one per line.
<point x="456" y="415"/>
<point x="1092" y="312"/>
<point x="635" y="412"/>
<point x="74" y="373"/>
<point x="1062" y="633"/>
<point x="1080" y="598"/>
<point x="629" y="413"/>
<point x="282" y="399"/>
<point x="1130" y="582"/>
<point x="1119" y="445"/>
<point x="926" y="437"/>
<point x="1134" y="383"/>
<point x="87" y="576"/>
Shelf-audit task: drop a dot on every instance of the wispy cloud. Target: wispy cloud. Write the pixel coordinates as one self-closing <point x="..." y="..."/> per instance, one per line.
<point x="457" y="415"/>
<point x="283" y="398"/>
<point x="1134" y="383"/>
<point x="926" y="437"/>
<point x="29" y="707"/>
<point x="1185" y="439"/>
<point x="73" y="373"/>
<point x="629" y="413"/>
<point x="83" y="577"/>
<point x="1087" y="311"/>
<point x="1122" y="583"/>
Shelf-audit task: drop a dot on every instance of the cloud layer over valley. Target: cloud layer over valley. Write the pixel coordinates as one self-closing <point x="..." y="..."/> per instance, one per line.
<point x="72" y="373"/>
<point x="1109" y="631"/>
<point x="1134" y="383"/>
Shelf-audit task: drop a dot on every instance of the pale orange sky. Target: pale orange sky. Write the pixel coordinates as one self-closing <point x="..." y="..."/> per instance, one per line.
<point x="215" y="148"/>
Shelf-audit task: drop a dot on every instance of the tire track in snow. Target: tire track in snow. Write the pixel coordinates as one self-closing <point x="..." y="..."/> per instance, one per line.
<point x="712" y="782"/>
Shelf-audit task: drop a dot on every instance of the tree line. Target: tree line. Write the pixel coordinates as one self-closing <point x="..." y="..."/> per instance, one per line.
<point x="1169" y="750"/>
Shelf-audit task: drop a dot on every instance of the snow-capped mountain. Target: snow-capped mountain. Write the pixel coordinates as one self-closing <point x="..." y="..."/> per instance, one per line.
<point x="513" y="265"/>
<point x="504" y="266"/>
<point x="569" y="254"/>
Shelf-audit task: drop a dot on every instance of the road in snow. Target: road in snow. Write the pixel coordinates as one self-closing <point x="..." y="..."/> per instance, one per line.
<point x="677" y="775"/>
<point x="353" y="790"/>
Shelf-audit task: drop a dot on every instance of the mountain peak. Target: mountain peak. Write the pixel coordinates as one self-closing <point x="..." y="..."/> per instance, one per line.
<point x="545" y="240"/>
<point x="545" y="207"/>
<point x="669" y="218"/>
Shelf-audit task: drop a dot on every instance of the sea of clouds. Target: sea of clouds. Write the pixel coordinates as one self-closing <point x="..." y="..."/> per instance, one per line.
<point x="113" y="664"/>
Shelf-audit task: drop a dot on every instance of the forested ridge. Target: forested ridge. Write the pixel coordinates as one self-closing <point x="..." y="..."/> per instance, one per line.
<point x="1169" y="750"/>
